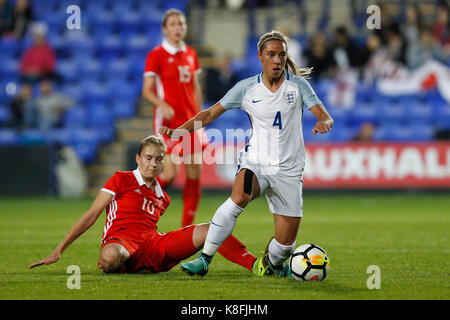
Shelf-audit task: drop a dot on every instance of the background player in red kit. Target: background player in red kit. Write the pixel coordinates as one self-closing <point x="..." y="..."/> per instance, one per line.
<point x="171" y="85"/>
<point x="135" y="201"/>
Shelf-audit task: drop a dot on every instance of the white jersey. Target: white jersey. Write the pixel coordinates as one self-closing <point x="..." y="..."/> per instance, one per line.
<point x="276" y="141"/>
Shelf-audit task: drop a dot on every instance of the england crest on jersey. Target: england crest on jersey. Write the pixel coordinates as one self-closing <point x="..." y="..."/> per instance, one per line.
<point x="290" y="97"/>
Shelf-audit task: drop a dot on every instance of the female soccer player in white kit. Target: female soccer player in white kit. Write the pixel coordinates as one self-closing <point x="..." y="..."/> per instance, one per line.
<point x="273" y="160"/>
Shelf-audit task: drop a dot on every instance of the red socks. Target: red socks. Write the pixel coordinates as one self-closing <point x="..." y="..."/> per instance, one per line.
<point x="191" y="197"/>
<point x="233" y="250"/>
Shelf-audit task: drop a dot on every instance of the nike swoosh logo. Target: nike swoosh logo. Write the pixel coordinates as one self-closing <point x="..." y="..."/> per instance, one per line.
<point x="255" y="101"/>
<point x="216" y="224"/>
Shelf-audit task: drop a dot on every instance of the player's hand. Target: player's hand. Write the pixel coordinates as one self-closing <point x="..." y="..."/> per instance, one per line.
<point x="54" y="257"/>
<point x="174" y="134"/>
<point x="164" y="130"/>
<point x="321" y="127"/>
<point x="167" y="111"/>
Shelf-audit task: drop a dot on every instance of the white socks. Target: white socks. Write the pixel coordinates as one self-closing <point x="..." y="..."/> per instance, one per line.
<point x="278" y="253"/>
<point x="221" y="226"/>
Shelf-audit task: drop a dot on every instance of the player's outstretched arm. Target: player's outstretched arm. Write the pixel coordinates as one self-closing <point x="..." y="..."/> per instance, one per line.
<point x="84" y="223"/>
<point x="204" y="117"/>
<point x="324" y="120"/>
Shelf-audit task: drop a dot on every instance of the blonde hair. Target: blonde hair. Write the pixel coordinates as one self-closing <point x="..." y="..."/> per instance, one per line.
<point x="152" y="140"/>
<point x="291" y="66"/>
<point x="169" y="13"/>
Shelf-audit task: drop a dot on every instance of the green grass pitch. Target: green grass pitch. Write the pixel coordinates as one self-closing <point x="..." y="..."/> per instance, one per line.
<point x="405" y="235"/>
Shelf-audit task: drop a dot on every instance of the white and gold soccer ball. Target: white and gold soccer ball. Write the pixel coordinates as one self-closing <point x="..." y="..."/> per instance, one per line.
<point x="309" y="262"/>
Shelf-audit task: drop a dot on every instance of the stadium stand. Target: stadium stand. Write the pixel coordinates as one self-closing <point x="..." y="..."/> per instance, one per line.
<point x="101" y="67"/>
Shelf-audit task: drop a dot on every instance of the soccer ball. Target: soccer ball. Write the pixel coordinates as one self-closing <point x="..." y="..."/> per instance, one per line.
<point x="309" y="262"/>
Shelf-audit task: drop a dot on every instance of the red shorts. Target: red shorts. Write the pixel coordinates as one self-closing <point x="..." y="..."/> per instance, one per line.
<point x="193" y="143"/>
<point x="154" y="251"/>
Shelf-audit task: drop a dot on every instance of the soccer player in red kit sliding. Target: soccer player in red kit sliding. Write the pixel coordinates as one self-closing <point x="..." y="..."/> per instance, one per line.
<point x="171" y="85"/>
<point x="134" y="202"/>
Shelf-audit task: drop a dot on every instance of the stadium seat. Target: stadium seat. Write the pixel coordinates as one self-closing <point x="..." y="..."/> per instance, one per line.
<point x="422" y="132"/>
<point x="339" y="115"/>
<point x="128" y="22"/>
<point x="33" y="136"/>
<point x="139" y="45"/>
<point x="9" y="48"/>
<point x="381" y="133"/>
<point x="340" y="132"/>
<point x="79" y="43"/>
<point x="434" y="97"/>
<point x="5" y="113"/>
<point x="399" y="133"/>
<point x="105" y="134"/>
<point x="8" y="137"/>
<point x="419" y="113"/>
<point x="67" y="69"/>
<point x="123" y="108"/>
<point x="75" y="117"/>
<point x="109" y="47"/>
<point x="94" y="92"/>
<point x="363" y="112"/>
<point x="85" y="142"/>
<point x="9" y="68"/>
<point x="442" y="116"/>
<point x="62" y="136"/>
<point x="90" y="69"/>
<point x="118" y="68"/>
<point x="99" y="115"/>
<point x="391" y="112"/>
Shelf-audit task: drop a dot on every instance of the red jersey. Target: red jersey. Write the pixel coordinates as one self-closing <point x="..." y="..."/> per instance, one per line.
<point x="135" y="205"/>
<point x="174" y="70"/>
<point x="39" y="59"/>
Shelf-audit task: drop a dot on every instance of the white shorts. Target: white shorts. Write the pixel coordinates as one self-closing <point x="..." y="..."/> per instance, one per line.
<point x="283" y="193"/>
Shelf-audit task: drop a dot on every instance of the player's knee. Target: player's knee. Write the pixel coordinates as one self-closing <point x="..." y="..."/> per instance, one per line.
<point x="110" y="259"/>
<point x="240" y="199"/>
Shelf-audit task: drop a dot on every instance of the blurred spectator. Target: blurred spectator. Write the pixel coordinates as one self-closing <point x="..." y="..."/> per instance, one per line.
<point x="22" y="17"/>
<point x="46" y="110"/>
<point x="320" y="57"/>
<point x="413" y="24"/>
<point x="19" y="104"/>
<point x="395" y="43"/>
<point x="38" y="61"/>
<point x="441" y="28"/>
<point x="219" y="80"/>
<point x="365" y="133"/>
<point x="6" y="17"/>
<point x="428" y="48"/>
<point x="372" y="46"/>
<point x="346" y="52"/>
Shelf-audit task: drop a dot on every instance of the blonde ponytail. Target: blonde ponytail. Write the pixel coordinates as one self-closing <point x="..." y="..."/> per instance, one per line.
<point x="291" y="66"/>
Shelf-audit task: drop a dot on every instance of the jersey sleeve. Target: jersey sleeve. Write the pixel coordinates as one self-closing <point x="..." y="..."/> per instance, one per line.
<point x="166" y="202"/>
<point x="113" y="186"/>
<point x="234" y="97"/>
<point x="309" y="97"/>
<point x="152" y="65"/>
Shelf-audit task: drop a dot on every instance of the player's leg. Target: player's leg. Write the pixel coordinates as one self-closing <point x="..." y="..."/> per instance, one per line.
<point x="192" y="191"/>
<point x="279" y="248"/>
<point x="113" y="257"/>
<point x="231" y="249"/>
<point x="285" y="202"/>
<point x="245" y="188"/>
